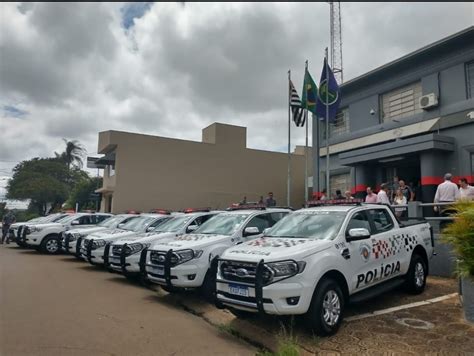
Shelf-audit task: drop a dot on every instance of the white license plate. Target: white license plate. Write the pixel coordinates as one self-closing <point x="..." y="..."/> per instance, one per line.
<point x="238" y="290"/>
<point x="158" y="270"/>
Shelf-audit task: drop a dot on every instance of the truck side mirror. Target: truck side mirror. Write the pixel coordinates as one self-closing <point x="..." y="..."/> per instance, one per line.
<point x="265" y="231"/>
<point x="357" y="234"/>
<point x="251" y="230"/>
<point x="191" y="228"/>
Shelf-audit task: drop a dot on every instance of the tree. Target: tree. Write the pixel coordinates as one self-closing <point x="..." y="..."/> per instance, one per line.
<point x="81" y="194"/>
<point x="43" y="180"/>
<point x="73" y="154"/>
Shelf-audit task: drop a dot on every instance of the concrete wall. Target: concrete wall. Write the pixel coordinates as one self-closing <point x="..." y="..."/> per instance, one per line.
<point x="158" y="172"/>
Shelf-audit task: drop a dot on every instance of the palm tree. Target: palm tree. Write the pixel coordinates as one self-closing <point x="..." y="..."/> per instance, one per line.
<point x="73" y="155"/>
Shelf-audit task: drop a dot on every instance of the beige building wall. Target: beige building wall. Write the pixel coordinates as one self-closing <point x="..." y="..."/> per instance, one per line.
<point x="159" y="172"/>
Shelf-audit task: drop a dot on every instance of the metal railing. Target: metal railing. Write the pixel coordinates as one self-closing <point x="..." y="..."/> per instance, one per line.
<point x="415" y="211"/>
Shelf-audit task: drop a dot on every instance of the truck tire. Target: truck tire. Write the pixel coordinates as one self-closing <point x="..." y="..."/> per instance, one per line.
<point x="415" y="279"/>
<point x="326" y="310"/>
<point x="50" y="244"/>
<point x="208" y="288"/>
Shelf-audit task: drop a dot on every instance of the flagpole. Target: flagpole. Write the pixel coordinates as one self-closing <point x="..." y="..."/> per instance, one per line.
<point x="306" y="146"/>
<point x="289" y="146"/>
<point x="328" y="185"/>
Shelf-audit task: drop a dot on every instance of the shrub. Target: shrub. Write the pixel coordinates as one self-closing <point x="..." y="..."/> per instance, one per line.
<point x="460" y="234"/>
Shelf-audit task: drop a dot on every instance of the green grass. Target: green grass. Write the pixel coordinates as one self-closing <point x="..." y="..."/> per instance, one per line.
<point x="285" y="348"/>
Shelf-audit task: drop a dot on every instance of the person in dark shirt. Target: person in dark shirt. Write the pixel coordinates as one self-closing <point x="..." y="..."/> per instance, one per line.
<point x="339" y="195"/>
<point x="8" y="219"/>
<point x="270" y="201"/>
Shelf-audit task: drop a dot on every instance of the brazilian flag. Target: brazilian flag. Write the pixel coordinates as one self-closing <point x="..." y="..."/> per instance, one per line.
<point x="310" y="93"/>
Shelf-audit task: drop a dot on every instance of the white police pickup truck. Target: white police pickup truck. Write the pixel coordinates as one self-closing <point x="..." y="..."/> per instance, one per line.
<point x="18" y="234"/>
<point x="92" y="248"/>
<point x="71" y="240"/>
<point x="45" y="237"/>
<point x="316" y="260"/>
<point x="190" y="260"/>
<point x="125" y="254"/>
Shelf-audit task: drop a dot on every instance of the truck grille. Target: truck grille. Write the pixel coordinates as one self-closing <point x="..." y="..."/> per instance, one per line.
<point x="117" y="250"/>
<point x="243" y="272"/>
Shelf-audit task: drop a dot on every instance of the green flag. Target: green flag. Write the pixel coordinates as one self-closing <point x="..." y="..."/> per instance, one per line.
<point x="310" y="93"/>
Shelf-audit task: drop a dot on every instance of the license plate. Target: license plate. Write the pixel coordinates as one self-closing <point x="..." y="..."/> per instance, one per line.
<point x="238" y="290"/>
<point x="158" y="270"/>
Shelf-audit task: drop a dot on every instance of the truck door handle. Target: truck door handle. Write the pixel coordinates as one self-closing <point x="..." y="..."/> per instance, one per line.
<point x="346" y="254"/>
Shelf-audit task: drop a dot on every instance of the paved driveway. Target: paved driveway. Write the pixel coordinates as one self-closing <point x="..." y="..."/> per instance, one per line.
<point x="55" y="305"/>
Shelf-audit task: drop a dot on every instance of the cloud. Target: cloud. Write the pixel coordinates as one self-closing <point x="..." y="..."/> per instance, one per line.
<point x="70" y="70"/>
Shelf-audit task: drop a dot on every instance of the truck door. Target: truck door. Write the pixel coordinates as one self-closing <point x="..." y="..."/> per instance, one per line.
<point x="386" y="245"/>
<point x="359" y="258"/>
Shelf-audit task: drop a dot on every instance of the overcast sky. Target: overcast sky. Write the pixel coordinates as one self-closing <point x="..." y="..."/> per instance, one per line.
<point x="70" y="70"/>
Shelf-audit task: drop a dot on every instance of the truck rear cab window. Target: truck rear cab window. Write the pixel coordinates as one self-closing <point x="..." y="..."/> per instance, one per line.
<point x="359" y="221"/>
<point x="381" y="219"/>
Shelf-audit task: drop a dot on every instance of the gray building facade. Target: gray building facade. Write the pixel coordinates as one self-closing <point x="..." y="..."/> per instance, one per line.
<point x="412" y="118"/>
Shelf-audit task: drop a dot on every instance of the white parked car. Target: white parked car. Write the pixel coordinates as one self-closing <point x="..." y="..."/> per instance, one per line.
<point x="124" y="255"/>
<point x="71" y="240"/>
<point x="316" y="260"/>
<point x="92" y="247"/>
<point x="18" y="234"/>
<point x="189" y="260"/>
<point x="45" y="237"/>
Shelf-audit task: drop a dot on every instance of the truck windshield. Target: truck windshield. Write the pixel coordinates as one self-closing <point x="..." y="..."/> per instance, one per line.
<point x="173" y="225"/>
<point x="222" y="224"/>
<point x="139" y="224"/>
<point x="323" y="225"/>
<point x="110" y="222"/>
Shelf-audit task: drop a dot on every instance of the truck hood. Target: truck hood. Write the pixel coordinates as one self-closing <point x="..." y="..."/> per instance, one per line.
<point x="89" y="230"/>
<point x="108" y="233"/>
<point x="49" y="225"/>
<point x="146" y="239"/>
<point x="275" y="249"/>
<point x="190" y="241"/>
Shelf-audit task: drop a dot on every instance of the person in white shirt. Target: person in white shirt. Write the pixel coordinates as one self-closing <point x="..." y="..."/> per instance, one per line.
<point x="382" y="197"/>
<point x="466" y="191"/>
<point x="400" y="199"/>
<point x="447" y="192"/>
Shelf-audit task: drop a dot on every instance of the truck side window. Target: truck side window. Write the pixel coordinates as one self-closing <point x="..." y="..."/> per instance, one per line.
<point x="85" y="220"/>
<point x="201" y="219"/>
<point x="275" y="217"/>
<point x="100" y="218"/>
<point x="381" y="219"/>
<point x="359" y="221"/>
<point x="260" y="221"/>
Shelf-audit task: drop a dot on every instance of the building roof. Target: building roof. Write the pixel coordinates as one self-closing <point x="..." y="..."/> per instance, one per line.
<point x="442" y="46"/>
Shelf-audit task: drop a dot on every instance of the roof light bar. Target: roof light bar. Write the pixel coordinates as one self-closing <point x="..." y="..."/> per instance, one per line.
<point x="195" y="210"/>
<point x="247" y="207"/>
<point x="334" y="202"/>
<point x="160" y="211"/>
<point x="130" y="211"/>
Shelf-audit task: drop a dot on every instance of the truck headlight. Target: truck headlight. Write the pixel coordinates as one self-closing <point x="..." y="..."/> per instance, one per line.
<point x="75" y="236"/>
<point x="135" y="248"/>
<point x="183" y="256"/>
<point x="285" y="269"/>
<point x="31" y="229"/>
<point x="98" y="243"/>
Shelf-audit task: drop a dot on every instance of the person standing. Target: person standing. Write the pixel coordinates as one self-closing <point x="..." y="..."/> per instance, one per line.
<point x="261" y="200"/>
<point x="382" y="196"/>
<point x="400" y="199"/>
<point x="447" y="192"/>
<point x="8" y="219"/>
<point x="323" y="195"/>
<point x="466" y="192"/>
<point x="244" y="201"/>
<point x="270" y="201"/>
<point x="393" y="188"/>
<point x="338" y="194"/>
<point x="371" y="197"/>
<point x="406" y="191"/>
<point x="348" y="195"/>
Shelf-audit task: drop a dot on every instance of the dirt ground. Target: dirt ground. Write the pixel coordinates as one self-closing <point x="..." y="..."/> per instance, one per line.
<point x="55" y="305"/>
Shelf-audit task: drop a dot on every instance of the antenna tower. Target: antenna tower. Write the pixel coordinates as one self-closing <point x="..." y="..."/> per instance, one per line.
<point x="336" y="40"/>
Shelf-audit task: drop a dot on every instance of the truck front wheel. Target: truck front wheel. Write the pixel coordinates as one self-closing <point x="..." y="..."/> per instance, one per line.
<point x="326" y="310"/>
<point x="50" y="244"/>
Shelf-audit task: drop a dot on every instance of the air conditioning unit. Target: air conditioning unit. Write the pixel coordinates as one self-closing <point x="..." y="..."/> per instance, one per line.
<point x="428" y="101"/>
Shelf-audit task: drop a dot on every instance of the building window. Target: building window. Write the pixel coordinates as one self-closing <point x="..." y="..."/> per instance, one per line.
<point x="340" y="182"/>
<point x="401" y="102"/>
<point x="111" y="170"/>
<point x="341" y="123"/>
<point x="470" y="79"/>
